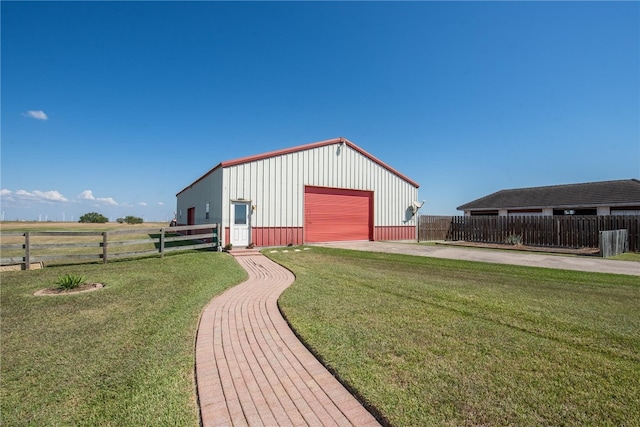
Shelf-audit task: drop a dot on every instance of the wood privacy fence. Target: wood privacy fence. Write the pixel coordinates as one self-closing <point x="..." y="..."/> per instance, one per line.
<point x="570" y="231"/>
<point x="74" y="246"/>
<point x="614" y="242"/>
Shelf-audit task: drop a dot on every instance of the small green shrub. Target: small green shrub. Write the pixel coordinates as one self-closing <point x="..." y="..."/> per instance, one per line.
<point x="69" y="281"/>
<point x="514" y="239"/>
<point x="228" y="247"/>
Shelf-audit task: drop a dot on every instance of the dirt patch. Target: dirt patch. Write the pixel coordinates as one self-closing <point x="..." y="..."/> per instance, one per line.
<point x="85" y="287"/>
<point x="17" y="267"/>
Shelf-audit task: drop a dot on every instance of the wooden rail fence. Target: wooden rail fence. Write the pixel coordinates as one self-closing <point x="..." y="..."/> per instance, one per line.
<point x="71" y="246"/>
<point x="570" y="231"/>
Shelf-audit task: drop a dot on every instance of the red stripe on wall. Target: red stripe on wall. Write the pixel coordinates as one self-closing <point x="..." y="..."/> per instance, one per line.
<point x="272" y="236"/>
<point x="276" y="236"/>
<point x="283" y="236"/>
<point x="404" y="232"/>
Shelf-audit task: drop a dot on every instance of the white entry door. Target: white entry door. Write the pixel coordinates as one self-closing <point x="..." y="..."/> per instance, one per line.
<point x="240" y="223"/>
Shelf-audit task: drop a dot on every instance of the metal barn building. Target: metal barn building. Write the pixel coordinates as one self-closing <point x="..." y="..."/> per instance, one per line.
<point x="321" y="192"/>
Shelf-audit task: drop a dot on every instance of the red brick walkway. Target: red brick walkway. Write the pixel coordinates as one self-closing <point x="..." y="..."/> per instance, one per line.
<point x="251" y="370"/>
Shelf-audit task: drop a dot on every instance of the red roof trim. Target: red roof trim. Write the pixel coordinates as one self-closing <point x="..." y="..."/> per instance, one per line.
<point x="311" y="146"/>
<point x="281" y="152"/>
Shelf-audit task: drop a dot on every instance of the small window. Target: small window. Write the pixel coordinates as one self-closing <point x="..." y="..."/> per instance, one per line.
<point x="240" y="214"/>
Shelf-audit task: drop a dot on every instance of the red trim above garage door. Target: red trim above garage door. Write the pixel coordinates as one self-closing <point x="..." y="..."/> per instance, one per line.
<point x="336" y="214"/>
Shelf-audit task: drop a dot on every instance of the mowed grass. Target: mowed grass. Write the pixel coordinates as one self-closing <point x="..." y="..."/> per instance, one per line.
<point x="119" y="356"/>
<point x="432" y="342"/>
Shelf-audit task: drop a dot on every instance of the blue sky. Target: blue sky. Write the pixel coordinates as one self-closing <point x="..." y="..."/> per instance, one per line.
<point x="114" y="107"/>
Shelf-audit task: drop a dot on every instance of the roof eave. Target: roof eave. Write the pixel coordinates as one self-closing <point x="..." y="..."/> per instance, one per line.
<point x="219" y="165"/>
<point x="579" y="206"/>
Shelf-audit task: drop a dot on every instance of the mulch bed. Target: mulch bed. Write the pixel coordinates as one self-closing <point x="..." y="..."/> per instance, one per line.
<point x="568" y="251"/>
<point x="85" y="287"/>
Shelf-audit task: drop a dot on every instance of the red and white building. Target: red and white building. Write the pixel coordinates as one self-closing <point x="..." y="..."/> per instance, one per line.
<point x="321" y="192"/>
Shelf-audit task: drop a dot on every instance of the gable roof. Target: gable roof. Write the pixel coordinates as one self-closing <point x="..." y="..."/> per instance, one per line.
<point x="591" y="194"/>
<point x="304" y="147"/>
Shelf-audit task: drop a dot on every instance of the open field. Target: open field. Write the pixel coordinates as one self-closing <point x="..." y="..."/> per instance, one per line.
<point x="70" y="245"/>
<point x="22" y="226"/>
<point x="119" y="356"/>
<point x="432" y="342"/>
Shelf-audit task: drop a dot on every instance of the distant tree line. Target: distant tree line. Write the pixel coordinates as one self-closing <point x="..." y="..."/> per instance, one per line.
<point x="130" y="220"/>
<point x="96" y="218"/>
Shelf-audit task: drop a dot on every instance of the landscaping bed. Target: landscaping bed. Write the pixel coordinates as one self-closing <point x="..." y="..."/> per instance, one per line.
<point x="524" y="248"/>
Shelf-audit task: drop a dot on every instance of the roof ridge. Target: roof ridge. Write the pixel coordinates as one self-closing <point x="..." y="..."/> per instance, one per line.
<point x="303" y="147"/>
<point x="569" y="185"/>
<point x="597" y="193"/>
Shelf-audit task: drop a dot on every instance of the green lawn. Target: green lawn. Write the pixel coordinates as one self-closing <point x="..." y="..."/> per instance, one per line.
<point x="627" y="256"/>
<point x="425" y="341"/>
<point x="432" y="342"/>
<point x="119" y="356"/>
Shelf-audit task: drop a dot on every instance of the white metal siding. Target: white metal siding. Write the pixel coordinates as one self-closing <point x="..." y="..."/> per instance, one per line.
<point x="275" y="185"/>
<point x="207" y="190"/>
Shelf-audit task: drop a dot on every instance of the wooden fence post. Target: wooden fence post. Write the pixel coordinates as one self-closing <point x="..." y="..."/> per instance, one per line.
<point x="162" y="242"/>
<point x="27" y="255"/>
<point x="104" y="247"/>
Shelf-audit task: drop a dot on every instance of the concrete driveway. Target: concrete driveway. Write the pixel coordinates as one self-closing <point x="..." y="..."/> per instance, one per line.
<point x="579" y="263"/>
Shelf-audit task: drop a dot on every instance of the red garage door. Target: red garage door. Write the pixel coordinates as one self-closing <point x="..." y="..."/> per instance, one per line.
<point x="334" y="214"/>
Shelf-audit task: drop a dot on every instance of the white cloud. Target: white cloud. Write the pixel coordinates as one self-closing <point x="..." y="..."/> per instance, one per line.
<point x="142" y="204"/>
<point x="6" y="195"/>
<point x="86" y="195"/>
<point x="107" y="201"/>
<point x="36" y="114"/>
<point x="48" y="196"/>
<point x="160" y="204"/>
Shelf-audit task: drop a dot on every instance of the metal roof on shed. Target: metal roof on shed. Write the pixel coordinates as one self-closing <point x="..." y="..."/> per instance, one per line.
<point x="604" y="193"/>
<point x="311" y="146"/>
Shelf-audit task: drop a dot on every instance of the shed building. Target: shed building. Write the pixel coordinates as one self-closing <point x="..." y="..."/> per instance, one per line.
<point x="620" y="197"/>
<point x="321" y="192"/>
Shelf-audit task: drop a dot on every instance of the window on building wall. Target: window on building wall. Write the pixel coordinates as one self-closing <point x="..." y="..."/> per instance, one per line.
<point x="525" y="212"/>
<point x="240" y="214"/>
<point x="587" y="211"/>
<point x="626" y="211"/>
<point x="484" y="213"/>
<point x="593" y="211"/>
<point x="564" y="212"/>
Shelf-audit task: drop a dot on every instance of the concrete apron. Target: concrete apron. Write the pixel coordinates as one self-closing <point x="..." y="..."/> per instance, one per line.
<point x="579" y="263"/>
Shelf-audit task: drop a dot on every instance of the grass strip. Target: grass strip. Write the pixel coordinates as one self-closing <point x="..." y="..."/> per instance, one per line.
<point x="122" y="355"/>
<point x="432" y="342"/>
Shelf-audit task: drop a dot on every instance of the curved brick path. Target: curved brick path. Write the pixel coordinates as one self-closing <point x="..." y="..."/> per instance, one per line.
<point x="252" y="370"/>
